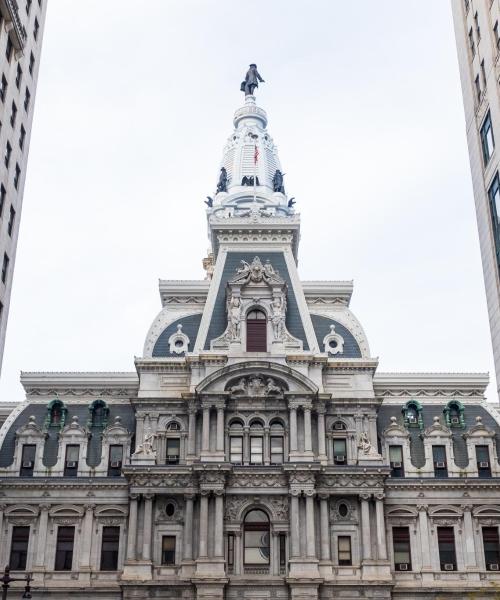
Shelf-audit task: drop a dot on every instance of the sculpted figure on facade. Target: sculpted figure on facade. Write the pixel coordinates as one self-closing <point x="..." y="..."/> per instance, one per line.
<point x="146" y="448"/>
<point x="365" y="446"/>
<point x="278" y="309"/>
<point x="234" y="318"/>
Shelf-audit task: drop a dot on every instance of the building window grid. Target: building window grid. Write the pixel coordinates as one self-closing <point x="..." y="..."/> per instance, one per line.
<point x="64" y="549"/>
<point x="27" y="99"/>
<point x="17" y="176"/>
<point x="496" y="34"/>
<point x="3" y="196"/>
<point x="22" y="137"/>
<point x="401" y="548"/>
<point x="487" y="138"/>
<point x="19" y="76"/>
<point x="109" y="548"/>
<point x="9" y="48"/>
<point x="19" y="547"/>
<point x="12" y="218"/>
<point x="477" y="87"/>
<point x="439" y="461"/>
<point x="71" y="460"/>
<point x="36" y="29"/>
<point x="3" y="88"/>
<point x="483" y="73"/>
<point x="13" y="114"/>
<point x="472" y="45"/>
<point x="478" y="28"/>
<point x="5" y="267"/>
<point x="32" y="63"/>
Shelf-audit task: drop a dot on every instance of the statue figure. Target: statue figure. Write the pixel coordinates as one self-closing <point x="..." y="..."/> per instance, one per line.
<point x="209" y="202"/>
<point x="240" y="387"/>
<point x="235" y="317"/>
<point x="291" y="202"/>
<point x="278" y="182"/>
<point x="251" y="82"/>
<point x="256" y="386"/>
<point x="278" y="318"/>
<point x="271" y="387"/>
<point x="222" y="183"/>
<point x="268" y="268"/>
<point x="147" y="445"/>
<point x="249" y="180"/>
<point x="364" y="444"/>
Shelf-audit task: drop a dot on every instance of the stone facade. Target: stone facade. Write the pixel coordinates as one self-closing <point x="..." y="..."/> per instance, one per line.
<point x="255" y="453"/>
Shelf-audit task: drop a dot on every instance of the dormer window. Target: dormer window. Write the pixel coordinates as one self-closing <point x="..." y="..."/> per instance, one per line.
<point x="412" y="413"/>
<point x="98" y="414"/>
<point x="256" y="331"/>
<point x="454" y="414"/>
<point x="56" y="414"/>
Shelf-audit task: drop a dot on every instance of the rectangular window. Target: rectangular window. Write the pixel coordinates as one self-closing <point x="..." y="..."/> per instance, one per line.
<point x="28" y="6"/>
<point x="19" y="548"/>
<point x="340" y="451"/>
<point x="277" y="452"/>
<point x="173" y="451"/>
<point x="483" y="461"/>
<point x="466" y="5"/>
<point x="64" y="549"/>
<point x="476" y="23"/>
<point x="9" y="48"/>
<point x="115" y="460"/>
<point x="494" y="197"/>
<point x="447" y="554"/>
<point x="477" y="85"/>
<point x="22" y="137"/>
<point x="491" y="548"/>
<point x="168" y="550"/>
<point x="3" y="88"/>
<point x="282" y="539"/>
<point x="12" y="218"/>
<point x="32" y="63"/>
<point x="487" y="139"/>
<point x="256" y="450"/>
<point x="17" y="176"/>
<point x="36" y="29"/>
<point x="440" y="464"/>
<point x="27" y="460"/>
<point x="483" y="74"/>
<point x="344" y="550"/>
<point x="3" y="195"/>
<point x="495" y="33"/>
<point x="1" y="312"/>
<point x="13" y="114"/>
<point x="236" y="450"/>
<point x="19" y="76"/>
<point x="256" y="335"/>
<point x="472" y="46"/>
<point x="230" y="549"/>
<point x="71" y="462"/>
<point x="27" y="99"/>
<point x="5" y="267"/>
<point x="401" y="545"/>
<point x="109" y="548"/>
<point x="396" y="460"/>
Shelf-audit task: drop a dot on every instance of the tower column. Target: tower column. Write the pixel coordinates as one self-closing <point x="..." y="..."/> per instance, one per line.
<point x="307" y="429"/>
<point x="41" y="536"/>
<point x="381" y="540"/>
<point x="321" y="435"/>
<point x="365" y="526"/>
<point x="205" y="437"/>
<point x="324" y="528"/>
<point x="219" y="524"/>
<point x="310" y="534"/>
<point x="132" y="529"/>
<point x="294" y="525"/>
<point x="220" y="429"/>
<point x="148" y="522"/>
<point x="192" y="432"/>
<point x="188" y="528"/>
<point x="293" y="428"/>
<point x="203" y="551"/>
<point x="87" y="537"/>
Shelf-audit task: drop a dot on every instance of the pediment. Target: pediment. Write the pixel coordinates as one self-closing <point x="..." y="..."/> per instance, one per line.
<point x="256" y="379"/>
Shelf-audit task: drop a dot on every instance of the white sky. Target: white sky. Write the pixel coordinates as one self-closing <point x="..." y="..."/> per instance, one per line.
<point x="134" y="104"/>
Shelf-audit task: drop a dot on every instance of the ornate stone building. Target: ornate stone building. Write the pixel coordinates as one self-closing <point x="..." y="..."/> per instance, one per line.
<point x="255" y="453"/>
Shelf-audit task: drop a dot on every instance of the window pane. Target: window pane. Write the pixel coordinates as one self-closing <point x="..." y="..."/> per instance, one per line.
<point x="339" y="447"/>
<point x="256" y="446"/>
<point x="173" y="447"/>
<point x="64" y="548"/>
<point x="395" y="454"/>
<point x="19" y="548"/>
<point x="168" y="550"/>
<point x="109" y="550"/>
<point x="344" y="550"/>
<point x="115" y="453"/>
<point x="72" y="453"/>
<point x="276" y="450"/>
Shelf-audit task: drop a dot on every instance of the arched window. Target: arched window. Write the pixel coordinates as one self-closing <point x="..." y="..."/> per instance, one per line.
<point x="98" y="414"/>
<point x="454" y="414"/>
<point x="56" y="414"/>
<point x="412" y="413"/>
<point x="256" y="528"/>
<point x="256" y="331"/>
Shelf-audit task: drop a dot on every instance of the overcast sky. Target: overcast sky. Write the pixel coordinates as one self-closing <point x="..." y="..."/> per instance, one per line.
<point x="133" y="107"/>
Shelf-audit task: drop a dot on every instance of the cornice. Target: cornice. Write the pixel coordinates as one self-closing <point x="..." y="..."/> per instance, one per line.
<point x="123" y="384"/>
<point x="430" y="384"/>
<point x="457" y="483"/>
<point x="48" y="483"/>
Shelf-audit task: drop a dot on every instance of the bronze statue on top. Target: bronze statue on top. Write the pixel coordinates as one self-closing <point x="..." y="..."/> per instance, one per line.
<point x="251" y="82"/>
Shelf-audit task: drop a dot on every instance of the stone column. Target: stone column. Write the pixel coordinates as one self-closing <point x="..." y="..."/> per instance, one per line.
<point x="294" y="525"/>
<point x="220" y="429"/>
<point x="147" y="529"/>
<point x="237" y="552"/>
<point x="132" y="529"/>
<point x="423" y="524"/>
<point x="86" y="537"/>
<point x="311" y="537"/>
<point x="321" y="434"/>
<point x="324" y="527"/>
<point x="43" y="520"/>
<point x="267" y="447"/>
<point x="293" y="429"/>
<point x="365" y="526"/>
<point x="205" y="438"/>
<point x="470" y="551"/>
<point x="275" y="553"/>
<point x="246" y="445"/>
<point x="219" y="524"/>
<point x="307" y="429"/>
<point x="203" y="548"/>
<point x="381" y="538"/>
<point x="192" y="432"/>
<point x="188" y="527"/>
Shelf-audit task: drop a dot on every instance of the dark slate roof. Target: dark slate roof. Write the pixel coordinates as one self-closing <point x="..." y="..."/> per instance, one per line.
<point x="39" y="411"/>
<point x="322" y="328"/>
<point x="190" y="326"/>
<point x="428" y="413"/>
<point x="218" y="322"/>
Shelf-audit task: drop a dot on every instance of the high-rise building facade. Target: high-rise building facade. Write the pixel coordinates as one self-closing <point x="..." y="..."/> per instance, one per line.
<point x="254" y="452"/>
<point x="477" y="32"/>
<point x="21" y="32"/>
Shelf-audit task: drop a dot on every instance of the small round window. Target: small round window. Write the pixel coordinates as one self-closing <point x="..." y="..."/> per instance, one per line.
<point x="170" y="509"/>
<point x="343" y="509"/>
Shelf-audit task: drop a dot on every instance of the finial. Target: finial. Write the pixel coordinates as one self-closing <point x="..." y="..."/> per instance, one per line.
<point x="32" y="420"/>
<point x="436" y="420"/>
<point x="479" y="420"/>
<point x="118" y="420"/>
<point x="393" y="420"/>
<point x="74" y="421"/>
